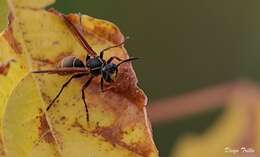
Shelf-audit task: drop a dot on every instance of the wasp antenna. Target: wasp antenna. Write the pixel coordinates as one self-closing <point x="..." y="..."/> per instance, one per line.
<point x="118" y="45"/>
<point x="127" y="60"/>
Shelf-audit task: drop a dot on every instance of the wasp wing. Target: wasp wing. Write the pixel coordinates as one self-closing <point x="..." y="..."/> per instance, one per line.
<point x="63" y="71"/>
<point x="75" y="32"/>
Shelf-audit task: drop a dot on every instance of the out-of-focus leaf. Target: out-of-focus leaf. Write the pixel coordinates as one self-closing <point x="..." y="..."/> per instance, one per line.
<point x="3" y="14"/>
<point x="38" y="39"/>
<point x="30" y="4"/>
<point x="12" y="67"/>
<point x="12" y="74"/>
<point x="236" y="132"/>
<point x="257" y="124"/>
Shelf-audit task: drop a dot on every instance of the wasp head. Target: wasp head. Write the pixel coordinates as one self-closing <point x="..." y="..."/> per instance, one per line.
<point x="109" y="72"/>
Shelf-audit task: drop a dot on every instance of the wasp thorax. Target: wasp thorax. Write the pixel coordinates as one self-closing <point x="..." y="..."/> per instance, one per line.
<point x="71" y="61"/>
<point x="109" y="72"/>
<point x="95" y="65"/>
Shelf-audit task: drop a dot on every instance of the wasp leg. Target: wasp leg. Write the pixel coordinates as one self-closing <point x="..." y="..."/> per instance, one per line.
<point x="83" y="96"/>
<point x="64" y="85"/>
<point x="102" y="85"/>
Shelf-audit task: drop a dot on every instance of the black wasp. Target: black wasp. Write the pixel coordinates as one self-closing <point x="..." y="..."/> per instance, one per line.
<point x="95" y="65"/>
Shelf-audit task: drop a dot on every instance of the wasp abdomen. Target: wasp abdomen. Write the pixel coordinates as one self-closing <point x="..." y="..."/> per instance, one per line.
<point x="71" y="61"/>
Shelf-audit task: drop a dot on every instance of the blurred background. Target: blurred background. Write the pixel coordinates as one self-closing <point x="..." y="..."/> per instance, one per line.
<point x="186" y="45"/>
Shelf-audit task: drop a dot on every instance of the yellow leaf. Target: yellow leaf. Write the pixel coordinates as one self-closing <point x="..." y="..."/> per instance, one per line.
<point x="12" y="69"/>
<point x="12" y="73"/>
<point x="39" y="39"/>
<point x="30" y="4"/>
<point x="3" y="14"/>
<point x="234" y="134"/>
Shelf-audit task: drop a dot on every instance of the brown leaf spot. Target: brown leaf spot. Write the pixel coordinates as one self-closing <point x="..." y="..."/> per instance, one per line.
<point x="46" y="97"/>
<point x="76" y="124"/>
<point x="45" y="131"/>
<point x="114" y="136"/>
<point x="55" y="43"/>
<point x="8" y="35"/>
<point x="4" y="68"/>
<point x="63" y="118"/>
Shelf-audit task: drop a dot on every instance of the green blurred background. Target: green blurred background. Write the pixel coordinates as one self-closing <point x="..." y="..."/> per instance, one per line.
<point x="185" y="45"/>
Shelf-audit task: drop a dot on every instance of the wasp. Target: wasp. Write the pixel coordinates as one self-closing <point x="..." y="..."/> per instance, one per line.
<point x="94" y="66"/>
